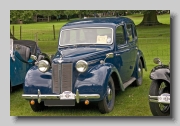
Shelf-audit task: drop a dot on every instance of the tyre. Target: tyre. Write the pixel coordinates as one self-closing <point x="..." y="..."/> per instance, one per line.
<point x="10" y="88"/>
<point x="157" y="88"/>
<point x="37" y="107"/>
<point x="139" y="80"/>
<point x="107" y="104"/>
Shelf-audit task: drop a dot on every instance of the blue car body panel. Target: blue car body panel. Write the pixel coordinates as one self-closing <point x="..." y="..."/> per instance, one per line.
<point x="18" y="71"/>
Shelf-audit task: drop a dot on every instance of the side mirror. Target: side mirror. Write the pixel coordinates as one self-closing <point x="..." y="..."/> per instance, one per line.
<point x="33" y="57"/>
<point x="157" y="61"/>
<point x="109" y="55"/>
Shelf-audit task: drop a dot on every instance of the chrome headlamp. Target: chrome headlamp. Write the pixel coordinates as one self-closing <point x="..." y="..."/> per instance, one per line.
<point x="43" y="66"/>
<point x="81" y="66"/>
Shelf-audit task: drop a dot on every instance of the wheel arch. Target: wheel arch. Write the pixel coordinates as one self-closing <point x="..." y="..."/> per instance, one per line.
<point x="117" y="80"/>
<point x="160" y="74"/>
<point x="140" y="56"/>
<point x="143" y="63"/>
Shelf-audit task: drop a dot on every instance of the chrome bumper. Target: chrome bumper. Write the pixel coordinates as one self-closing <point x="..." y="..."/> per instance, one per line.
<point x="67" y="95"/>
<point x="164" y="98"/>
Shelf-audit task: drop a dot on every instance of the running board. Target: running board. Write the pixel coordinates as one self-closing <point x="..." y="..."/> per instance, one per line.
<point x="126" y="84"/>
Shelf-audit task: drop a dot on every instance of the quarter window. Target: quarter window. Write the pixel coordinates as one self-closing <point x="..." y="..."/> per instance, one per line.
<point x="120" y="35"/>
<point x="135" y="33"/>
<point x="129" y="30"/>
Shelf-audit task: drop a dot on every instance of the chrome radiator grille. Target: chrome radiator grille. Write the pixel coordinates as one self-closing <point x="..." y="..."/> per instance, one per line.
<point x="66" y="77"/>
<point x="56" y="78"/>
<point x="62" y="77"/>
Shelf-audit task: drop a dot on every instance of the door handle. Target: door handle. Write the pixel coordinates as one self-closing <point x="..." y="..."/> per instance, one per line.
<point x="118" y="54"/>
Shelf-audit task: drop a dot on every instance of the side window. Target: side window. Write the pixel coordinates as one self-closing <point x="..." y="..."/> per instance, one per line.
<point x="135" y="33"/>
<point x="129" y="29"/>
<point x="120" y="35"/>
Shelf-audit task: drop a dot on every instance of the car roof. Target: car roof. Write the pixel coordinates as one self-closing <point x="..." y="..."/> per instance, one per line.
<point x="104" y="20"/>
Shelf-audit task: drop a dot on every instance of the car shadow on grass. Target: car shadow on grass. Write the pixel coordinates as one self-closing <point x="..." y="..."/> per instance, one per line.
<point x="79" y="109"/>
<point x="17" y="88"/>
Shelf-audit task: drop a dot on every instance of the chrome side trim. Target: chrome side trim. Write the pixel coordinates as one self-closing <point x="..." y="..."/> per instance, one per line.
<point x="126" y="84"/>
<point x="93" y="61"/>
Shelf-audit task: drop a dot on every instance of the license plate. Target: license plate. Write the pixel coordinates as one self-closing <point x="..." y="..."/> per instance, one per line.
<point x="67" y="95"/>
<point x="164" y="99"/>
<point x="61" y="102"/>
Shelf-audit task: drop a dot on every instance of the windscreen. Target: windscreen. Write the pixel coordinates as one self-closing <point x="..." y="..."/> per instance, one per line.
<point x="90" y="35"/>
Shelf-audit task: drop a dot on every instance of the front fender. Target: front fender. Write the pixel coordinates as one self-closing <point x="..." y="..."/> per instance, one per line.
<point x="163" y="74"/>
<point x="95" y="80"/>
<point x="35" y="80"/>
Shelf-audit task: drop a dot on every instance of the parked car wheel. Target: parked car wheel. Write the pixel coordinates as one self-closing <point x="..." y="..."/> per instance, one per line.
<point x="107" y="104"/>
<point x="37" y="106"/>
<point x="138" y="81"/>
<point x="10" y="88"/>
<point x="157" y="88"/>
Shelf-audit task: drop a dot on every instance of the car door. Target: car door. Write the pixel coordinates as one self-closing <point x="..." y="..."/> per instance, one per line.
<point x="122" y="54"/>
<point x="132" y="45"/>
<point x="17" y="71"/>
<point x="18" y="68"/>
<point x="15" y="67"/>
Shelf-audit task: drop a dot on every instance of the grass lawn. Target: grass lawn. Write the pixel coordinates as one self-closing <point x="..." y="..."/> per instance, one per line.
<point x="153" y="41"/>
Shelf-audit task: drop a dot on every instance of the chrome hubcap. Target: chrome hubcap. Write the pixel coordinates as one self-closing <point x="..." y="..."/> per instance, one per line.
<point x="139" y="72"/>
<point x="109" y="92"/>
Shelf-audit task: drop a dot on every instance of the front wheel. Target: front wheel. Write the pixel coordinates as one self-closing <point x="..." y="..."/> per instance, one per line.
<point x="10" y="88"/>
<point x="157" y="88"/>
<point x="37" y="106"/>
<point x="107" y="104"/>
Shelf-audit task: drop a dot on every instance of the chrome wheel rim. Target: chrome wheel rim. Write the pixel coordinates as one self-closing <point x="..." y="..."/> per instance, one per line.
<point x="163" y="89"/>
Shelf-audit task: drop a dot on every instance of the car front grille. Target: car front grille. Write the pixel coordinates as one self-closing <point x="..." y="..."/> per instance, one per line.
<point x="56" y="78"/>
<point x="61" y="77"/>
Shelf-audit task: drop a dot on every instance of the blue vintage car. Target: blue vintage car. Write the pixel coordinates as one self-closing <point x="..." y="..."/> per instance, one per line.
<point x="20" y="61"/>
<point x="95" y="58"/>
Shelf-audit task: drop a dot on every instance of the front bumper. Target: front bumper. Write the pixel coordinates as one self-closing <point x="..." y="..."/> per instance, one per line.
<point x="163" y="98"/>
<point x="66" y="95"/>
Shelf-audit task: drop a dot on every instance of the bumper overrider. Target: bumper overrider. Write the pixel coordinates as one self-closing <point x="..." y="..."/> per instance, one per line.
<point x="163" y="98"/>
<point x="66" y="95"/>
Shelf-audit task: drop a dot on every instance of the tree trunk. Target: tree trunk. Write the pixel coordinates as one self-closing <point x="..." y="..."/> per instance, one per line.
<point x="67" y="17"/>
<point x="150" y="19"/>
<point x="80" y="16"/>
<point x="35" y="18"/>
<point x="48" y="18"/>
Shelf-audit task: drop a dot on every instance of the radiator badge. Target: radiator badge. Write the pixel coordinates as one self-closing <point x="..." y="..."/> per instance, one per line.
<point x="60" y="60"/>
<point x="67" y="95"/>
